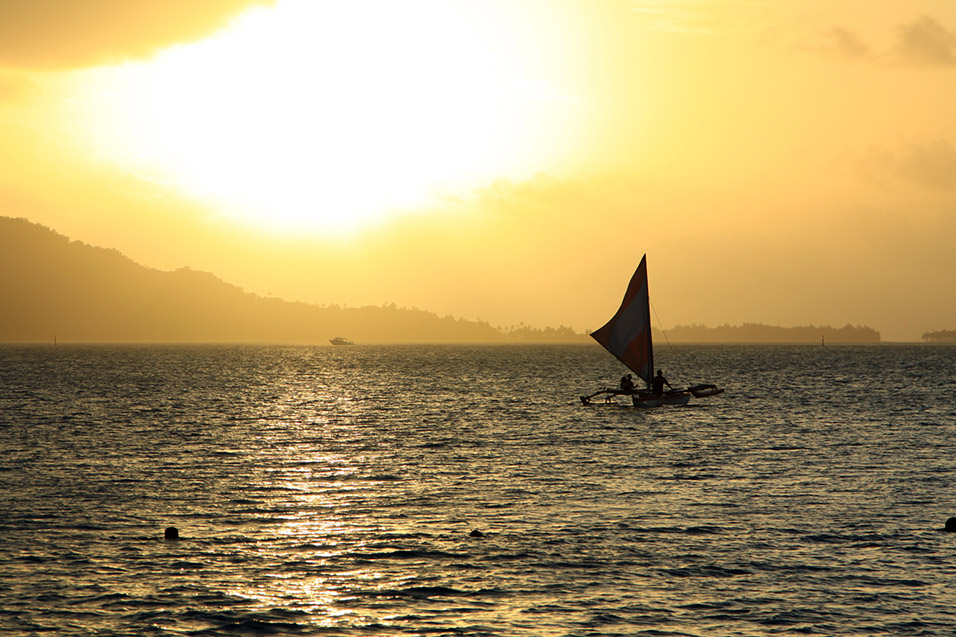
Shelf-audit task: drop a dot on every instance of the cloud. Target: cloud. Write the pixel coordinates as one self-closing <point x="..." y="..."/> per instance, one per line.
<point x="700" y="17"/>
<point x="14" y="86"/>
<point x="66" y="34"/>
<point x="926" y="41"/>
<point x="847" y="44"/>
<point x="931" y="164"/>
<point x="676" y="19"/>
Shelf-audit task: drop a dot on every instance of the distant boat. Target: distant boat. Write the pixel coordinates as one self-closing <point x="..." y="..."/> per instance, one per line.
<point x="628" y="337"/>
<point x="338" y="340"/>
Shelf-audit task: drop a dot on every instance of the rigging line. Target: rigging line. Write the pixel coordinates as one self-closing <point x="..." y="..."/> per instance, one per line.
<point x="660" y="326"/>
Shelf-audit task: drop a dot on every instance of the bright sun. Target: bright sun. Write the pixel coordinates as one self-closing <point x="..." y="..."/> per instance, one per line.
<point x="328" y="116"/>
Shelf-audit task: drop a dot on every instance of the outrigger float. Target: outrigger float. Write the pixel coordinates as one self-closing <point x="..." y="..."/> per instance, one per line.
<point x="628" y="337"/>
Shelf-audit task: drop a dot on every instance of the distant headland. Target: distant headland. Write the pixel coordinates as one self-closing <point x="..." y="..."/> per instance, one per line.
<point x="55" y="288"/>
<point x="942" y="336"/>
<point x="758" y="333"/>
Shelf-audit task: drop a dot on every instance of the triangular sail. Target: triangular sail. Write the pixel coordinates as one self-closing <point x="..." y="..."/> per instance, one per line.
<point x="628" y="334"/>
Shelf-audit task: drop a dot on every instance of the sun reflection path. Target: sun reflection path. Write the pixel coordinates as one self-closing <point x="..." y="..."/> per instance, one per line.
<point x="312" y="553"/>
<point x="337" y="504"/>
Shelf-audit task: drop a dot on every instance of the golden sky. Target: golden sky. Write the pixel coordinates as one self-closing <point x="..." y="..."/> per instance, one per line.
<point x="781" y="161"/>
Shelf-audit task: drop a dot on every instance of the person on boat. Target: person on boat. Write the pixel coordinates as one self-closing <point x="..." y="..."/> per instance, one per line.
<point x="658" y="384"/>
<point x="627" y="384"/>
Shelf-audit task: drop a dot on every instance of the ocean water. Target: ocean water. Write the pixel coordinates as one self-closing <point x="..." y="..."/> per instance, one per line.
<point x="333" y="491"/>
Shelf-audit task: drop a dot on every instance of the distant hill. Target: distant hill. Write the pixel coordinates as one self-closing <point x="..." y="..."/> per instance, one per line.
<point x="757" y="333"/>
<point x="942" y="336"/>
<point x="51" y="286"/>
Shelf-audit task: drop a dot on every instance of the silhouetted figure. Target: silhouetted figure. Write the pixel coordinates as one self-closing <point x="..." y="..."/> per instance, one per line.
<point x="658" y="384"/>
<point x="627" y="384"/>
<point x="171" y="533"/>
<point x="950" y="525"/>
<point x="476" y="533"/>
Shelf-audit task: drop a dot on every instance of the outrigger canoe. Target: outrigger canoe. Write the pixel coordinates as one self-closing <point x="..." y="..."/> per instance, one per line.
<point x="628" y="337"/>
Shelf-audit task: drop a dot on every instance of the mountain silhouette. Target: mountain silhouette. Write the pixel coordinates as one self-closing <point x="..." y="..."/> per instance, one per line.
<point x="51" y="287"/>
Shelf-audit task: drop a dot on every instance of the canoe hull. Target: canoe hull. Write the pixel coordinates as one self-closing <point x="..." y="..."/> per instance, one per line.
<point x="647" y="399"/>
<point x="670" y="398"/>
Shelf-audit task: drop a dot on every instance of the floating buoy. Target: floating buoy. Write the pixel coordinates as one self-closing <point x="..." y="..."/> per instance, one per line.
<point x="476" y="533"/>
<point x="171" y="533"/>
<point x="950" y="525"/>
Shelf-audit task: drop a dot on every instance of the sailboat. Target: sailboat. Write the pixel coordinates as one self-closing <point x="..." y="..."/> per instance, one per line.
<point x="628" y="337"/>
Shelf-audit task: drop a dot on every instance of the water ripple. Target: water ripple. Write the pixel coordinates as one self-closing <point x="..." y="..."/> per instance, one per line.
<point x="319" y="491"/>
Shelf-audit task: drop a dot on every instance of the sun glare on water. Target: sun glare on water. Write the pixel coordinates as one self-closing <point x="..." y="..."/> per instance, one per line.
<point x="328" y="116"/>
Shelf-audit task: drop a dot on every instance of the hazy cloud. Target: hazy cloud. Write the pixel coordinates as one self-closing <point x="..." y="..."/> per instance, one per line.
<point x="63" y="34"/>
<point x="694" y="16"/>
<point x="932" y="164"/>
<point x="922" y="41"/>
<point x="847" y="43"/>
<point x="14" y="86"/>
<point x="926" y="41"/>
<point x="676" y="19"/>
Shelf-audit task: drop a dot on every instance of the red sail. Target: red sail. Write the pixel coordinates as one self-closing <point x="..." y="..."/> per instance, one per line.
<point x="628" y="334"/>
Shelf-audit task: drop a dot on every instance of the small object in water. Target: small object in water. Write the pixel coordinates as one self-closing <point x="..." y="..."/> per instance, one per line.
<point x="476" y="533"/>
<point x="171" y="533"/>
<point x="950" y="525"/>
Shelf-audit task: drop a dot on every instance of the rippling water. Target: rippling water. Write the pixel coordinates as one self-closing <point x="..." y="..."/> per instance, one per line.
<point x="333" y="491"/>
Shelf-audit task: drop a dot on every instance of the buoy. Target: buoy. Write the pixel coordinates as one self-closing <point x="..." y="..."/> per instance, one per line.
<point x="950" y="525"/>
<point x="171" y="533"/>
<point x="476" y="533"/>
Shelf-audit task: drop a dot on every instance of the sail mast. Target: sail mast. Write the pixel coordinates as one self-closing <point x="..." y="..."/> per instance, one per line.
<point x="650" y="340"/>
